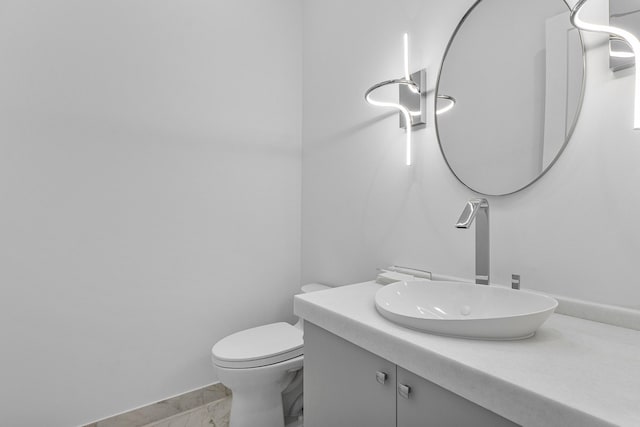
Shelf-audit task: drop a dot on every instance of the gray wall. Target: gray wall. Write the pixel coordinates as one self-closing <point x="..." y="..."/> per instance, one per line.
<point x="150" y="193"/>
<point x="573" y="233"/>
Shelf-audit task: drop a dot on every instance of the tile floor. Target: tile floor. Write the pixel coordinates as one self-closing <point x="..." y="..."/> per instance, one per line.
<point x="206" y="407"/>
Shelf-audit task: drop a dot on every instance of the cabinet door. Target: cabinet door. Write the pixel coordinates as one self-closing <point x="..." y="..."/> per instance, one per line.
<point x="345" y="385"/>
<point x="424" y="404"/>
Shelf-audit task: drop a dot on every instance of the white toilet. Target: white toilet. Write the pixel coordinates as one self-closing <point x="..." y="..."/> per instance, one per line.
<point x="258" y="364"/>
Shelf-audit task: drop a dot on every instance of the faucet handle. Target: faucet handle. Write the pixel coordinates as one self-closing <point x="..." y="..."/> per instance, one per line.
<point x="515" y="281"/>
<point x="470" y="211"/>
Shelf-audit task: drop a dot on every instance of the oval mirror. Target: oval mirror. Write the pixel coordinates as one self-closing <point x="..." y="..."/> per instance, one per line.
<point x="509" y="93"/>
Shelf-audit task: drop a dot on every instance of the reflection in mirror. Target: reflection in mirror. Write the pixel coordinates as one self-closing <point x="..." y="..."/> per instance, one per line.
<point x="516" y="71"/>
<point x="623" y="14"/>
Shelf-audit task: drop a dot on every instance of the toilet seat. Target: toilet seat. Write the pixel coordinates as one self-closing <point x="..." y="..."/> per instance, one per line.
<point x="260" y="346"/>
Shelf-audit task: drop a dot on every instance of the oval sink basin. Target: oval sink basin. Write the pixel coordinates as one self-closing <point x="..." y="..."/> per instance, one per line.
<point x="464" y="310"/>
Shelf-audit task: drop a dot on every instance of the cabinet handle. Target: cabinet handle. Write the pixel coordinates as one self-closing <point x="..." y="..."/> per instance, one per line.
<point x="381" y="377"/>
<point x="404" y="390"/>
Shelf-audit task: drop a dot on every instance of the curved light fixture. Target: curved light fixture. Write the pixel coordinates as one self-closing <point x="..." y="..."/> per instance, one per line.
<point x="626" y="36"/>
<point x="450" y="103"/>
<point x="405" y="111"/>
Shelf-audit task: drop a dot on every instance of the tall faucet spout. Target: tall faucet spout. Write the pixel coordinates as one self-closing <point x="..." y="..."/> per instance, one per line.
<point x="478" y="210"/>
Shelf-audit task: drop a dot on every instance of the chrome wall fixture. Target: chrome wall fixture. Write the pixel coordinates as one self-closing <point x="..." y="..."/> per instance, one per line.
<point x="620" y="34"/>
<point x="411" y="98"/>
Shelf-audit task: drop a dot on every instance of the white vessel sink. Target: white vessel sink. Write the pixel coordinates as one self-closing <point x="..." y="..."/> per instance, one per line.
<point x="464" y="310"/>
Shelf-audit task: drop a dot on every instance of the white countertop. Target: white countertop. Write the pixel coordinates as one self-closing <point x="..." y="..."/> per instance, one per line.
<point x="573" y="372"/>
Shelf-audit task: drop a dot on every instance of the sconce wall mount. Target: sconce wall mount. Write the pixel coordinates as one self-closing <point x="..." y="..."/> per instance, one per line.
<point x="416" y="102"/>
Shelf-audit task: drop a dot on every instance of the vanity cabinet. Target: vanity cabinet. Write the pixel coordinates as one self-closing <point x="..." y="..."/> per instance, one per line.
<point x="344" y="385"/>
<point x="347" y="386"/>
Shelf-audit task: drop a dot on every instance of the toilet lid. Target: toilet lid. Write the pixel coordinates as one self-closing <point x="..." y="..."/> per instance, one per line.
<point x="261" y="346"/>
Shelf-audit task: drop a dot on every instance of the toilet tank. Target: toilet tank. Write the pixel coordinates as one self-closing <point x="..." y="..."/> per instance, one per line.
<point x="308" y="288"/>
<point x="313" y="287"/>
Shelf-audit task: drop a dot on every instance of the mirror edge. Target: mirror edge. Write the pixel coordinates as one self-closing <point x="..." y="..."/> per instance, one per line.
<point x="571" y="129"/>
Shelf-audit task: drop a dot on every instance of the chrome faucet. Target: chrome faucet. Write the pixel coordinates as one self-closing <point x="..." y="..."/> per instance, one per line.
<point x="478" y="209"/>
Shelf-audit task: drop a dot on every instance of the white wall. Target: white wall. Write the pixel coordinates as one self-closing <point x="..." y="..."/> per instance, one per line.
<point x="149" y="193"/>
<point x="575" y="232"/>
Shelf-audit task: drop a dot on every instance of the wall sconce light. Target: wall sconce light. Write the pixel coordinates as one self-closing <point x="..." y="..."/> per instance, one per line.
<point x="620" y="34"/>
<point x="448" y="102"/>
<point x="411" y="98"/>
